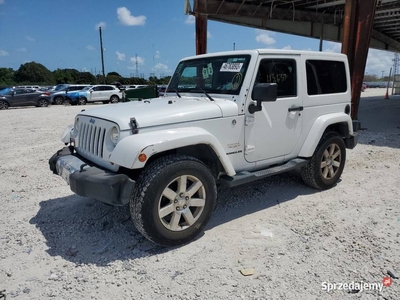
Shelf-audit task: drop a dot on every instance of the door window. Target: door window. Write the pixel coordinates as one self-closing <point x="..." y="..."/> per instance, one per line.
<point x="279" y="71"/>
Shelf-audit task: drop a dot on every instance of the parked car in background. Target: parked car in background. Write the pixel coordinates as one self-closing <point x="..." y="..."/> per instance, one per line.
<point x="98" y="93"/>
<point x="135" y="86"/>
<point x="24" y="97"/>
<point x="35" y="87"/>
<point x="161" y="90"/>
<point x="58" y="97"/>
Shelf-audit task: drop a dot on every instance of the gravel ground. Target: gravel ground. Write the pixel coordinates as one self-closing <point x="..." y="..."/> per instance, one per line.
<point x="293" y="240"/>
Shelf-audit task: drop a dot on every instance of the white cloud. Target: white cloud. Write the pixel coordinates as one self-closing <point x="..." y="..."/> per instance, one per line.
<point x="157" y="55"/>
<point x="101" y="24"/>
<point x="1" y="1"/>
<point x="140" y="60"/>
<point x="264" y="37"/>
<point x="287" y="47"/>
<point x="22" y="49"/>
<point x="90" y="47"/>
<point x="3" y="53"/>
<point x="209" y="35"/>
<point x="29" y="38"/>
<point x="162" y="68"/>
<point x="190" y="20"/>
<point x="333" y="47"/>
<point x="126" y="18"/>
<point x="378" y="61"/>
<point x="120" y="56"/>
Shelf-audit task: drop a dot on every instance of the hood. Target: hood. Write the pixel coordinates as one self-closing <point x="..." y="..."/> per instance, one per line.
<point x="164" y="110"/>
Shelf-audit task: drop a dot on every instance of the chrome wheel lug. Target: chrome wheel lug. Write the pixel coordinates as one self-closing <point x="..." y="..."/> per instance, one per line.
<point x="187" y="198"/>
<point x="184" y="206"/>
<point x="178" y="208"/>
<point x="175" y="201"/>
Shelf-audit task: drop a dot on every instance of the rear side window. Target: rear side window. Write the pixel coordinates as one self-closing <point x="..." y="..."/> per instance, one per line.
<point x="325" y="77"/>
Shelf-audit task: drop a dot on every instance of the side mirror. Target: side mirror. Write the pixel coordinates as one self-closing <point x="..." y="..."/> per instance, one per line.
<point x="13" y="93"/>
<point x="263" y="92"/>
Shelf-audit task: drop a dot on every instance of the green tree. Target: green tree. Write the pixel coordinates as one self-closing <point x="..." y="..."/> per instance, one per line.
<point x="66" y="75"/>
<point x="34" y="73"/>
<point x="86" y="77"/>
<point x="7" y="77"/>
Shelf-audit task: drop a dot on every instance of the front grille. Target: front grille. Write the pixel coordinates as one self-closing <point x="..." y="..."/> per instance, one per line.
<point x="91" y="139"/>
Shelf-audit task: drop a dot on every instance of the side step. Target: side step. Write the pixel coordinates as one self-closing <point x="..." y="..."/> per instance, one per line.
<point x="246" y="176"/>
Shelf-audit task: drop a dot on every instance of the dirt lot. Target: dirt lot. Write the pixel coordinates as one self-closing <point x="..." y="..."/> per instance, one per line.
<point x="297" y="241"/>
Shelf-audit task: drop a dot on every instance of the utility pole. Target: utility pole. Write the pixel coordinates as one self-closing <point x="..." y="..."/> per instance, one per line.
<point x="137" y="74"/>
<point x="234" y="46"/>
<point x="102" y="55"/>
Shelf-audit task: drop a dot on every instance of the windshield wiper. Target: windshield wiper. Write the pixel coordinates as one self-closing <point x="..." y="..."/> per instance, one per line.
<point x="205" y="93"/>
<point x="177" y="94"/>
<point x="176" y="91"/>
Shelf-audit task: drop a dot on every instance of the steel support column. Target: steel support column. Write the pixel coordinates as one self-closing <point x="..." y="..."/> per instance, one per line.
<point x="201" y="30"/>
<point x="357" y="28"/>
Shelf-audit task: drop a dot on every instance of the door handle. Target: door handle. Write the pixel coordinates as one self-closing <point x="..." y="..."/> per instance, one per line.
<point x="298" y="108"/>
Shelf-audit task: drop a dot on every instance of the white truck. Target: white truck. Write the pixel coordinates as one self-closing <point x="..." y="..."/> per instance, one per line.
<point x="226" y="118"/>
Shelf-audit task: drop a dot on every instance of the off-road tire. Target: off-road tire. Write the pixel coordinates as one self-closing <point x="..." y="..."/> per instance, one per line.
<point x="148" y="200"/>
<point x="314" y="173"/>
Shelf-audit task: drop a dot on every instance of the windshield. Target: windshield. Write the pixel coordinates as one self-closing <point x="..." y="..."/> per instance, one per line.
<point x="59" y="87"/>
<point x="219" y="75"/>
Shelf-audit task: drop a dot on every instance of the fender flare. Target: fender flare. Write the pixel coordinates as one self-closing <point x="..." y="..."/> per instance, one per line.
<point x="128" y="149"/>
<point x="318" y="128"/>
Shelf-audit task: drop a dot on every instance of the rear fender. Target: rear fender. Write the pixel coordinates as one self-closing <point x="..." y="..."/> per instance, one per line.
<point x="128" y="149"/>
<point x="318" y="129"/>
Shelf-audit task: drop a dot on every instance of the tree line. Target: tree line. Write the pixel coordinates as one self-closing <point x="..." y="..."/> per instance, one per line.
<point x="36" y="73"/>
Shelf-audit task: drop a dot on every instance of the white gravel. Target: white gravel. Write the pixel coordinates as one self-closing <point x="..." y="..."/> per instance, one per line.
<point x="54" y="244"/>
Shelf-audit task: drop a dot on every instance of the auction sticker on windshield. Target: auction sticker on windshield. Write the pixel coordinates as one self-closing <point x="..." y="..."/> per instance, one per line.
<point x="231" y="67"/>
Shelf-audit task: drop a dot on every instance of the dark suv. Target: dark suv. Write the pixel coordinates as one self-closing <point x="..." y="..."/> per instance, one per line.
<point x="24" y="97"/>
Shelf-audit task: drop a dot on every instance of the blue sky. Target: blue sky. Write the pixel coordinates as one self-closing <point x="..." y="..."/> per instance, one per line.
<point x="143" y="36"/>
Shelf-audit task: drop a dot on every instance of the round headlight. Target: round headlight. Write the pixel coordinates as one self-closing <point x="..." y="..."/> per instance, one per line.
<point x="114" y="135"/>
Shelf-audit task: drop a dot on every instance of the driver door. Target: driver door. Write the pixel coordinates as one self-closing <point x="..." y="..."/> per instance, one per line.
<point x="273" y="132"/>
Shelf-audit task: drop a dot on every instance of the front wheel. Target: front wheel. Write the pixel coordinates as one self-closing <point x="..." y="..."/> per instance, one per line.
<point x="59" y="100"/>
<point x="326" y="165"/>
<point x="3" y="105"/>
<point x="173" y="200"/>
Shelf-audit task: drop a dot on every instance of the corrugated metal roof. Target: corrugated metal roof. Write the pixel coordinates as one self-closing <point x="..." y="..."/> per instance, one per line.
<point x="307" y="15"/>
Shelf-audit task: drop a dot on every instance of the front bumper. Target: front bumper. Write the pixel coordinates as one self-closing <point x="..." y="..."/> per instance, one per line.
<point x="90" y="181"/>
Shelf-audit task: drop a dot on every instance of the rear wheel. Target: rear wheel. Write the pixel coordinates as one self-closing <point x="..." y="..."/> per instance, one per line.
<point x="43" y="103"/>
<point x="3" y="105"/>
<point x="59" y="100"/>
<point x="326" y="165"/>
<point x="173" y="200"/>
<point x="114" y="99"/>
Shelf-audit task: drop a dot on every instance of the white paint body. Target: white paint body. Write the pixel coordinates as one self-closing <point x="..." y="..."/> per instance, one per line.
<point x="241" y="140"/>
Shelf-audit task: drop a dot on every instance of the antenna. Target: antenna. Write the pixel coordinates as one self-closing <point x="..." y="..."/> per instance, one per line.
<point x="102" y="55"/>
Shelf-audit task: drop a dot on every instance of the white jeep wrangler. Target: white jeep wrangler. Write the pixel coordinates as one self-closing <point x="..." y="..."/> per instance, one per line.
<point x="230" y="118"/>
